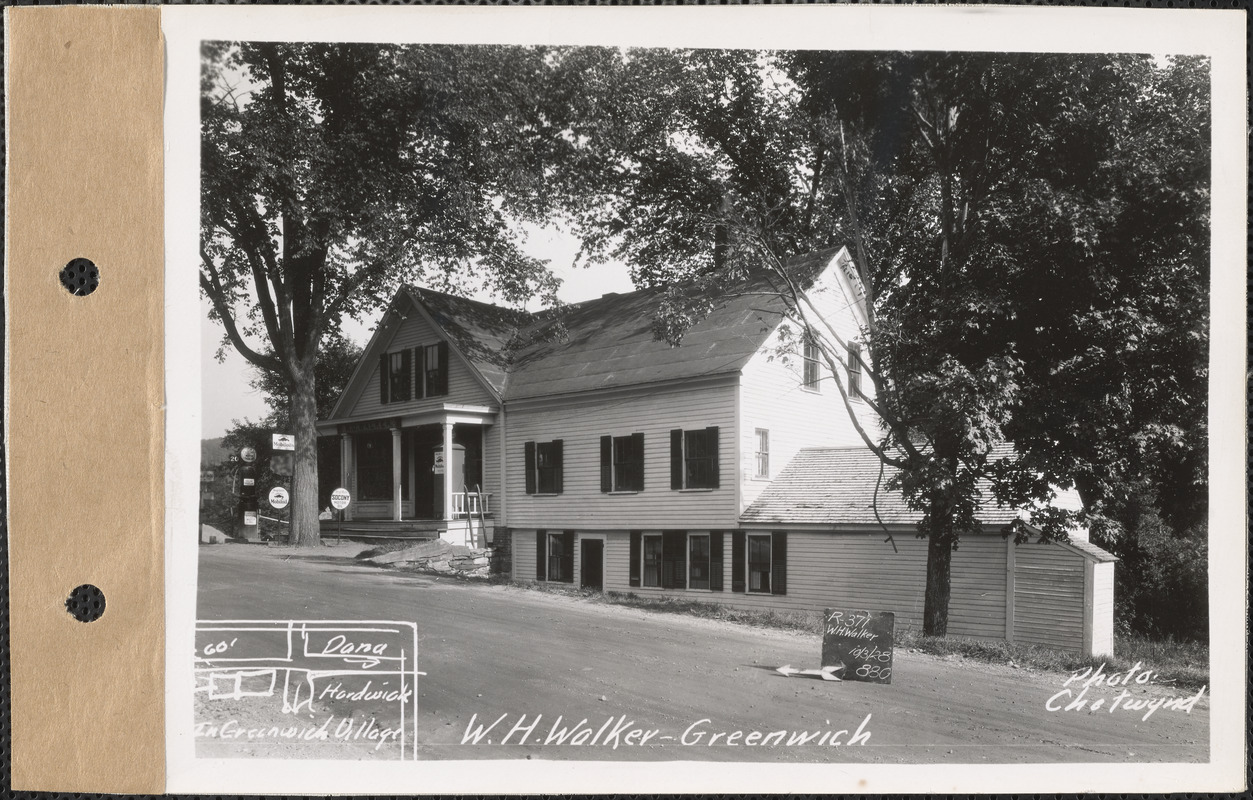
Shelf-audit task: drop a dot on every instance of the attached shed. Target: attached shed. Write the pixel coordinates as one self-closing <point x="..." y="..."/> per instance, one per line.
<point x="1058" y="595"/>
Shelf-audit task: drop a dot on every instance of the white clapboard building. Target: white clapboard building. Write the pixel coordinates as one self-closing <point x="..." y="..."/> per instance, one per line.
<point x="719" y="470"/>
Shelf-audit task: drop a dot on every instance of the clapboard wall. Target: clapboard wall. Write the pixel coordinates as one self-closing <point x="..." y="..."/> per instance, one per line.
<point x="580" y="422"/>
<point x="861" y="571"/>
<point x="464" y="388"/>
<point x="1049" y="596"/>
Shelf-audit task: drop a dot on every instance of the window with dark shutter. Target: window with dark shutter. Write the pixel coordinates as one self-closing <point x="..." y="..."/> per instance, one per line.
<point x="778" y="563"/>
<point x="606" y="463"/>
<point x="442" y="350"/>
<point x="698" y="566"/>
<point x="384" y="379"/>
<point x="676" y="459"/>
<point x="399" y="378"/>
<point x="548" y="458"/>
<point x="737" y="561"/>
<point x="652" y="560"/>
<point x="541" y="555"/>
<point x="715" y="561"/>
<point x="694" y="459"/>
<point x="633" y="574"/>
<point x="567" y="556"/>
<point x="626" y="463"/>
<point x="528" y="450"/>
<point x="436" y="360"/>
<point x="419" y="373"/>
<point x="759" y="572"/>
<point x="674" y="560"/>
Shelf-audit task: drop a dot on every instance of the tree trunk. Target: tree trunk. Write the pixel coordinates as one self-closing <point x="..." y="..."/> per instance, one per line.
<point x="306" y="531"/>
<point x="939" y="581"/>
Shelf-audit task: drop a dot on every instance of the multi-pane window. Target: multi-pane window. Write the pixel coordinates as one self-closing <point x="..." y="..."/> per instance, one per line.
<point x="676" y="560"/>
<point x="435" y="358"/>
<point x="558" y="559"/>
<point x="761" y="459"/>
<point x="548" y="467"/>
<point x="374" y="465"/>
<point x="759" y="564"/>
<point x="399" y="378"/>
<point x="622" y="463"/>
<point x="652" y="560"/>
<point x="544" y="467"/>
<point x="554" y="556"/>
<point x="414" y="373"/>
<point x="810" y="363"/>
<point x="854" y="369"/>
<point x="698" y="561"/>
<point x="694" y="459"/>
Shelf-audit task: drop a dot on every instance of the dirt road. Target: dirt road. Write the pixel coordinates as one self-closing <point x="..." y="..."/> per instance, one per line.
<point x="537" y="664"/>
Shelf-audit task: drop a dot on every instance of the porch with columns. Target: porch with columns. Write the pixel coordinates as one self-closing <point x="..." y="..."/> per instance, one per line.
<point x="415" y="476"/>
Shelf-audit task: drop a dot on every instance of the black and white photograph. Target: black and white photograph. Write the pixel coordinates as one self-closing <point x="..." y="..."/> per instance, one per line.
<point x="714" y="406"/>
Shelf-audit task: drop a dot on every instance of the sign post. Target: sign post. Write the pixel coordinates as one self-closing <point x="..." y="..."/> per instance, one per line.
<point x="861" y="641"/>
<point x="340" y="498"/>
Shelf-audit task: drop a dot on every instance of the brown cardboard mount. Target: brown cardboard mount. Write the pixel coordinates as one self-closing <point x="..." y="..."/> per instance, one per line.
<point x="85" y="419"/>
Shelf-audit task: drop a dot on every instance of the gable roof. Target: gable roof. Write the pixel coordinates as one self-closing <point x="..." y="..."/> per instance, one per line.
<point x="836" y="486"/>
<point x="608" y="342"/>
<point x="482" y="332"/>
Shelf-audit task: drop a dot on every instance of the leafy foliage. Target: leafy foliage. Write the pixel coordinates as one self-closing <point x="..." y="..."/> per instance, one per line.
<point x="1031" y="232"/>
<point x="331" y="173"/>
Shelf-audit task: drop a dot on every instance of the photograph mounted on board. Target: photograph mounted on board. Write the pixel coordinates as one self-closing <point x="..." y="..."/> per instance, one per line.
<point x="649" y="404"/>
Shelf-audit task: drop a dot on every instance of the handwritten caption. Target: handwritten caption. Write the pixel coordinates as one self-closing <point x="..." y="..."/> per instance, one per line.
<point x="1112" y="692"/>
<point x="621" y="731"/>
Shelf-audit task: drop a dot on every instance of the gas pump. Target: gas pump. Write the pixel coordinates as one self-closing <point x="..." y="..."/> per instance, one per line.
<point x="248" y="529"/>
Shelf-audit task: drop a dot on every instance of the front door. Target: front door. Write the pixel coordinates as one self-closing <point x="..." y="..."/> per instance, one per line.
<point x="592" y="564"/>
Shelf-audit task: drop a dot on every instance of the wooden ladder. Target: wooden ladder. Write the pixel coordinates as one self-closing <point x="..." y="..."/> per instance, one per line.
<point x="477" y="496"/>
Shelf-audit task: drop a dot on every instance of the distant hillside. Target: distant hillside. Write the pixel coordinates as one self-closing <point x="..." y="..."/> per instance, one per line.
<point x="212" y="452"/>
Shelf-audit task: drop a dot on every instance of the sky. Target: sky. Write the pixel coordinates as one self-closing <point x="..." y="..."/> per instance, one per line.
<point x="225" y="390"/>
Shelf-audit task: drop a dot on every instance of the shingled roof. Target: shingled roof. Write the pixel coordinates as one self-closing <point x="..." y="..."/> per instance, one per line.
<point x="836" y="486"/>
<point x="609" y="342"/>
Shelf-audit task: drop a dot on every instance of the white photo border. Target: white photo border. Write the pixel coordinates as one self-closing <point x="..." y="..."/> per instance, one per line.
<point x="1217" y="34"/>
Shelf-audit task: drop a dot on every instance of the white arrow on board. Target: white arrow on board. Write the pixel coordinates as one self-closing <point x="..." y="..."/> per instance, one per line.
<point x="826" y="673"/>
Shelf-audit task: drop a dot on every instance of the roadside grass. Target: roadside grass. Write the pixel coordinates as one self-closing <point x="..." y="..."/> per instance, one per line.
<point x="1181" y="664"/>
<point x="387" y="546"/>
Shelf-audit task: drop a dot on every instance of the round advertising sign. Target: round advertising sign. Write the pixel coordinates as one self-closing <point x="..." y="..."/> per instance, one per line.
<point x="248" y="454"/>
<point x="278" y="497"/>
<point x="340" y="499"/>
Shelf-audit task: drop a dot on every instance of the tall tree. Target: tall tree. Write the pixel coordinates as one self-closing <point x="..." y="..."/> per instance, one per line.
<point x="330" y="173"/>
<point x="1030" y="231"/>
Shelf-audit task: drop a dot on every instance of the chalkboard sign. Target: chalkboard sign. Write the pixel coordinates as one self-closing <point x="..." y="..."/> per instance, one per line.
<point x="861" y="641"/>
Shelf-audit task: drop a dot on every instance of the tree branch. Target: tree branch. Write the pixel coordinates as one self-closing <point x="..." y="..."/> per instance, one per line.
<point x="212" y="286"/>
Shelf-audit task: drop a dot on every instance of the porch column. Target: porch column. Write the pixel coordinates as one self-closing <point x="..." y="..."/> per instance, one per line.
<point x="448" y="487"/>
<point x="397" y="491"/>
<point x="346" y="456"/>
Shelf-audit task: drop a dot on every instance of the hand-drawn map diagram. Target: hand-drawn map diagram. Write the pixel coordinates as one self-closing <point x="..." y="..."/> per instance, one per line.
<point x="306" y="689"/>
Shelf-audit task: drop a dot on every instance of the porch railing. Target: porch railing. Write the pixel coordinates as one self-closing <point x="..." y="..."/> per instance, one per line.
<point x="472" y="504"/>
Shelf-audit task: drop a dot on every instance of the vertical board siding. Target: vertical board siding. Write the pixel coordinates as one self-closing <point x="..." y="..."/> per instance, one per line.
<point x="1103" y="609"/>
<point x="772" y="397"/>
<point x="1048" y="602"/>
<point x="581" y="505"/>
<point x="463" y="386"/>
